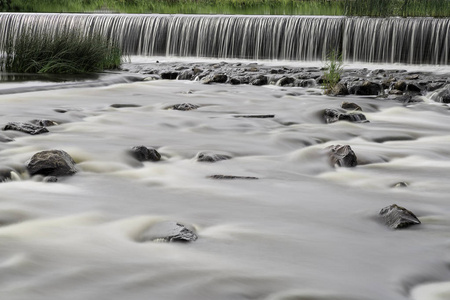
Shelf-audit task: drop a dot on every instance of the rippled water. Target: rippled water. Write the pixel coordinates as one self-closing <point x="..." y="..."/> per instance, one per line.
<point x="304" y="230"/>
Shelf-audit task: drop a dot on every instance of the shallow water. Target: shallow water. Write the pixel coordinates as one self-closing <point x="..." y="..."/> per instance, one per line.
<point x="304" y="230"/>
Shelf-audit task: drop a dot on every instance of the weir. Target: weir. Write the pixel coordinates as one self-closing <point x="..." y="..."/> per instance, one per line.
<point x="302" y="38"/>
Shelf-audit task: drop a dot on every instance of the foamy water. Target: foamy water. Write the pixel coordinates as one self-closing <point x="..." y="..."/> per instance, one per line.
<point x="304" y="230"/>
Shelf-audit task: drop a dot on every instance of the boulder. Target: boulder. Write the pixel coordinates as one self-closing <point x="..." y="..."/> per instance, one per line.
<point x="168" y="231"/>
<point x="169" y="75"/>
<point x="235" y="81"/>
<point x="351" y="106"/>
<point x="259" y="80"/>
<point x="142" y="153"/>
<point x="285" y="81"/>
<point x="186" y="75"/>
<point x="397" y="217"/>
<point x="220" y="78"/>
<point x="51" y="163"/>
<point x="342" y="156"/>
<point x="44" y="123"/>
<point x="339" y="89"/>
<point x="25" y="127"/>
<point x="332" y="115"/>
<point x="184" y="106"/>
<point x="211" y="157"/>
<point x="366" y="88"/>
<point x="414" y="88"/>
<point x="399" y="85"/>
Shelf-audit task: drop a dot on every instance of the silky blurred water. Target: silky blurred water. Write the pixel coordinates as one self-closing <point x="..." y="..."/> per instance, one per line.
<point x="303" y="230"/>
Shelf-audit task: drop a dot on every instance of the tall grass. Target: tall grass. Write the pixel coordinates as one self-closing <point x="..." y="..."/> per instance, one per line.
<point x="68" y="52"/>
<point x="333" y="71"/>
<point x="376" y="8"/>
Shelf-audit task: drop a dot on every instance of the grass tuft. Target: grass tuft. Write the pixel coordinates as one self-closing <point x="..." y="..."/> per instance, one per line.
<point x="333" y="72"/>
<point x="66" y="52"/>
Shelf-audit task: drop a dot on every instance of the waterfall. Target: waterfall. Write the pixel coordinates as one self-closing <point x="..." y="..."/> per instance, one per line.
<point x="381" y="40"/>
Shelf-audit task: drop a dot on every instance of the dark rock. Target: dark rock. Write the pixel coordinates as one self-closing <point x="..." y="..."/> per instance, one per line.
<point x="434" y="86"/>
<point x="50" y="179"/>
<point x="412" y="87"/>
<point x="412" y="77"/>
<point x="332" y="115"/>
<point x="366" y="88"/>
<point x="211" y="157"/>
<point x="125" y="105"/>
<point x="25" y="127"/>
<point x="255" y="116"/>
<point x="5" y="174"/>
<point x="342" y="156"/>
<point x="445" y="99"/>
<point x="285" y="81"/>
<point x="197" y="71"/>
<point x="51" y="163"/>
<point x="185" y="106"/>
<point x="235" y="81"/>
<point x="306" y="83"/>
<point x="142" y="153"/>
<point x="220" y="78"/>
<point x="399" y="184"/>
<point x="397" y="217"/>
<point x="260" y="80"/>
<point x="44" y="123"/>
<point x="231" y="177"/>
<point x="167" y="232"/>
<point x="60" y="110"/>
<point x="395" y="92"/>
<point x="351" y="106"/>
<point x="169" y="75"/>
<point x="339" y="89"/>
<point x="399" y="85"/>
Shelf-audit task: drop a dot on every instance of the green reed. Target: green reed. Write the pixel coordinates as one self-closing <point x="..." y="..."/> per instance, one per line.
<point x="68" y="52"/>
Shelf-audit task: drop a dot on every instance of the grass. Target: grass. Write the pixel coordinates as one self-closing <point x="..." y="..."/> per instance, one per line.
<point x="67" y="52"/>
<point x="374" y="8"/>
<point x="333" y="72"/>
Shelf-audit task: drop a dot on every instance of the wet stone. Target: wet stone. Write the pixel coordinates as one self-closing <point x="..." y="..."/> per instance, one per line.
<point x="50" y="179"/>
<point x="185" y="106"/>
<point x="397" y="217"/>
<point x="211" y="157"/>
<point x="51" y="163"/>
<point x="124" y="105"/>
<point x="167" y="232"/>
<point x="399" y="185"/>
<point x="342" y="156"/>
<point x="142" y="153"/>
<point x="231" y="177"/>
<point x="255" y="116"/>
<point x="44" y="123"/>
<point x="25" y="127"/>
<point x="169" y="75"/>
<point x="332" y="116"/>
<point x="351" y="106"/>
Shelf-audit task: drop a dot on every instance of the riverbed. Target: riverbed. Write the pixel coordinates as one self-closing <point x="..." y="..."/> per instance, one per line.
<point x="303" y="230"/>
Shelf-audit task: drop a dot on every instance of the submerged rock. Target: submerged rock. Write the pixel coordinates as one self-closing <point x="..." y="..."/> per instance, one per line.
<point x="185" y="106"/>
<point x="339" y="89"/>
<point x="124" y="105"/>
<point x="260" y="80"/>
<point x="397" y="217"/>
<point x="168" y="231"/>
<point x="211" y="157"/>
<point x="169" y="75"/>
<point x="255" y="116"/>
<point x="51" y="163"/>
<point x="332" y="115"/>
<point x="342" y="156"/>
<point x="142" y="153"/>
<point x="25" y="127"/>
<point x="351" y="106"/>
<point x="44" y="123"/>
<point x="231" y="177"/>
<point x="366" y="88"/>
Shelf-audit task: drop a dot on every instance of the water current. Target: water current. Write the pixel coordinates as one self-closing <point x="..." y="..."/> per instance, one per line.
<point x="303" y="230"/>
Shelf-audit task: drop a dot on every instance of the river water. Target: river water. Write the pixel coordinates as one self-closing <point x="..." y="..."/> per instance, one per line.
<point x="303" y="230"/>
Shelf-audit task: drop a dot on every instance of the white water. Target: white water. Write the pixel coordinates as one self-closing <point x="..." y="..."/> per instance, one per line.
<point x="302" y="231"/>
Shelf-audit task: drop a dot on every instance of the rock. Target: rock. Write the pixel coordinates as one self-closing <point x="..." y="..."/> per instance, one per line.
<point x="339" y="89"/>
<point x="342" y="156"/>
<point x="44" y="123"/>
<point x="260" y="80"/>
<point x="211" y="157"/>
<point x="395" y="92"/>
<point x="434" y="86"/>
<point x="169" y="75"/>
<point x="332" y="115"/>
<point x="285" y="81"/>
<point x="366" y="88"/>
<point x="351" y="106"/>
<point x="399" y="184"/>
<point x="6" y="173"/>
<point x="412" y="87"/>
<point x="306" y="83"/>
<point x="220" y="78"/>
<point x="51" y="163"/>
<point x="142" y="153"/>
<point x="231" y="177"/>
<point x="235" y="81"/>
<point x="186" y="75"/>
<point x="412" y="77"/>
<point x="125" y="105"/>
<point x="167" y="232"/>
<point x="185" y="106"/>
<point x="397" y="217"/>
<point x="255" y="116"/>
<point x="25" y="127"/>
<point x="50" y="179"/>
<point x="399" y="85"/>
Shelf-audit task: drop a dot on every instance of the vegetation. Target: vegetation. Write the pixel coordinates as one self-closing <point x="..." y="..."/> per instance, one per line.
<point x="434" y="8"/>
<point x="333" y="72"/>
<point x="68" y="52"/>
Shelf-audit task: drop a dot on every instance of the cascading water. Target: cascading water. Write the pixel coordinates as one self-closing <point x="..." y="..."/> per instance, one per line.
<point x="381" y="40"/>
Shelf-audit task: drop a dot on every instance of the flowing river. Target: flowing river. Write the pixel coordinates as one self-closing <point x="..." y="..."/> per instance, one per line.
<point x="303" y="230"/>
